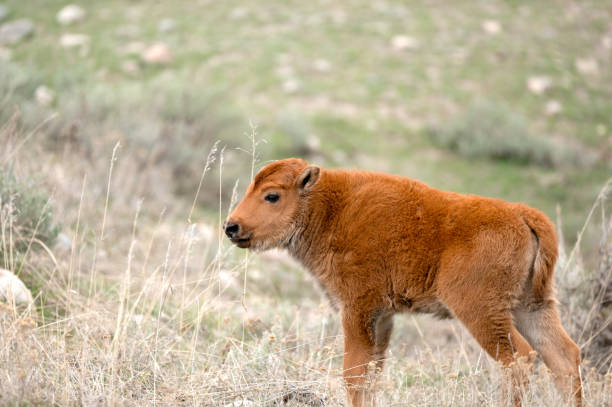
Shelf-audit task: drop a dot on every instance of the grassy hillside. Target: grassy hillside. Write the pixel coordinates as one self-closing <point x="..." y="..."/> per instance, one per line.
<point x="357" y="84"/>
<point x="119" y="162"/>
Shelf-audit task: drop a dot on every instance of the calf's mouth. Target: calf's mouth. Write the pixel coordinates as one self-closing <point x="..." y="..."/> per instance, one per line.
<point x="242" y="242"/>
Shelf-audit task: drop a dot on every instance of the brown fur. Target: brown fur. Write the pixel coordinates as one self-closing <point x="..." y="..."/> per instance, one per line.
<point x="382" y="244"/>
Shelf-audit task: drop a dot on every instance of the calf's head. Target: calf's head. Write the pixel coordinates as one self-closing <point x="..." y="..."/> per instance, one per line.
<point x="267" y="216"/>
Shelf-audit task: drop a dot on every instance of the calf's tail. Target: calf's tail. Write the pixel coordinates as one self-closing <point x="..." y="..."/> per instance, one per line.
<point x="547" y="252"/>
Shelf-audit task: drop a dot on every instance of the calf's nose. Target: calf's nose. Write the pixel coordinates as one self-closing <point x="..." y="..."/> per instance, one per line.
<point x="231" y="229"/>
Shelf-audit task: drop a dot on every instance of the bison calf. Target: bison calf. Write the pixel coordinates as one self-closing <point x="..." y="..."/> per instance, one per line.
<point x="382" y="244"/>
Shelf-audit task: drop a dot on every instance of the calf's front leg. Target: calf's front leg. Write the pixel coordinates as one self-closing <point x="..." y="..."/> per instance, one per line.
<point x="366" y="337"/>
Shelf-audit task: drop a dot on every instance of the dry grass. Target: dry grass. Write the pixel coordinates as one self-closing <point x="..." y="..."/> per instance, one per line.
<point x="586" y="289"/>
<point x="149" y="307"/>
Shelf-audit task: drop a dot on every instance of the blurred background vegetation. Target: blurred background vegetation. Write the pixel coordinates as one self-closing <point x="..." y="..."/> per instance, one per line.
<point x="509" y="99"/>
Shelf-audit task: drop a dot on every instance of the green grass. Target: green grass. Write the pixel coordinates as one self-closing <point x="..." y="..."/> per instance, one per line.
<point x="373" y="100"/>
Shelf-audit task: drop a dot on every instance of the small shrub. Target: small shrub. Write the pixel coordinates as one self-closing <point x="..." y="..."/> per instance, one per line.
<point x="191" y="123"/>
<point x="294" y="136"/>
<point x="17" y="87"/>
<point x="493" y="131"/>
<point x="25" y="216"/>
<point x="162" y="122"/>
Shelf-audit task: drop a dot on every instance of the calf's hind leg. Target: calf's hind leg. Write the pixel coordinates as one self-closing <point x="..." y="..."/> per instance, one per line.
<point x="495" y="332"/>
<point x="543" y="330"/>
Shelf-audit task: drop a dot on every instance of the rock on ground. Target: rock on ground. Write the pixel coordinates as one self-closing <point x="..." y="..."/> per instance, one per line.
<point x="291" y="85"/>
<point x="321" y="65"/>
<point x="587" y="66"/>
<point x="74" y="40"/>
<point x="44" y="96"/>
<point x="157" y="54"/>
<point x="79" y="42"/>
<point x="70" y="14"/>
<point x="491" y="27"/>
<point x="539" y="84"/>
<point x="14" y="31"/>
<point x="403" y="42"/>
<point x="553" y="107"/>
<point x="12" y="289"/>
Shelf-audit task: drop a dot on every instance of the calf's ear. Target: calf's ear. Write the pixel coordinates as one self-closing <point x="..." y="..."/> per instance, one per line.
<point x="308" y="178"/>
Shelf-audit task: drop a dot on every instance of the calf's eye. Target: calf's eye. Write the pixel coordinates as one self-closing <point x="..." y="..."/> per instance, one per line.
<point x="272" y="198"/>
